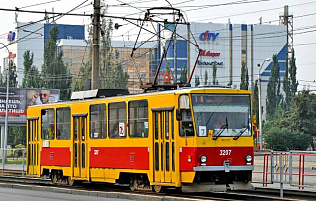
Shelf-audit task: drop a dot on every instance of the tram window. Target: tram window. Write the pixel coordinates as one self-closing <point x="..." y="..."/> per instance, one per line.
<point x="173" y="162"/>
<point x="83" y="155"/>
<point x="156" y="156"/>
<point x="98" y="121"/>
<point x="156" y="125"/>
<point x="167" y="125"/>
<point x="172" y="125"/>
<point x="63" y="123"/>
<point x="29" y="125"/>
<point x="48" y="122"/>
<point x="76" y="156"/>
<point x="117" y="120"/>
<point x="167" y="157"/>
<point x="138" y="118"/>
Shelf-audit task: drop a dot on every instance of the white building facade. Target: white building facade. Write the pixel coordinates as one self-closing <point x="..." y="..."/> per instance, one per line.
<point x="229" y="45"/>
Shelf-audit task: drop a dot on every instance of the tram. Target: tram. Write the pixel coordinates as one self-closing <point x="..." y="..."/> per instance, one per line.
<point x="194" y="139"/>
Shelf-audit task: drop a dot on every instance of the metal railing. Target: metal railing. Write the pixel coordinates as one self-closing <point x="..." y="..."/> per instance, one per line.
<point x="297" y="168"/>
<point x="15" y="160"/>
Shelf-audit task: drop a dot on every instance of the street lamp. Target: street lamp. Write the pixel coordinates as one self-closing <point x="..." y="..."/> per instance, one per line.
<point x="260" y="112"/>
<point x="4" y="138"/>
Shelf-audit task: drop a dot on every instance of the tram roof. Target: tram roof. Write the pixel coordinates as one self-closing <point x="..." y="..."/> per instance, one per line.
<point x="185" y="90"/>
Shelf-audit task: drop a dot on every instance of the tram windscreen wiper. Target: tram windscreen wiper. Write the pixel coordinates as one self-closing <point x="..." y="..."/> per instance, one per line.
<point x="241" y="132"/>
<point x="221" y="130"/>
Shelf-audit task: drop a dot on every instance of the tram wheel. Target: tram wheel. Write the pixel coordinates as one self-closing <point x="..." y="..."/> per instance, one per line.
<point x="157" y="188"/>
<point x="54" y="178"/>
<point x="132" y="184"/>
<point x="70" y="181"/>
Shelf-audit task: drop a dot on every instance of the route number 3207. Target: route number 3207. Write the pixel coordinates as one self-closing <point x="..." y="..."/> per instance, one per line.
<point x="225" y="152"/>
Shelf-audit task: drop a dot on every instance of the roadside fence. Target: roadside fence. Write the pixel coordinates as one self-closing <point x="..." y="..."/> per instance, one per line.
<point x="297" y="168"/>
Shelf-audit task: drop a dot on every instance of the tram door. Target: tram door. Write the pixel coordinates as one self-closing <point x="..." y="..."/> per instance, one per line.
<point x="80" y="146"/>
<point x="32" y="147"/>
<point x="164" y="151"/>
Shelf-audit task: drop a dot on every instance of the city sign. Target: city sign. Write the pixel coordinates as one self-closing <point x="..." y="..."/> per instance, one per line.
<point x="208" y="35"/>
<point x="210" y="63"/>
<point x="210" y="54"/>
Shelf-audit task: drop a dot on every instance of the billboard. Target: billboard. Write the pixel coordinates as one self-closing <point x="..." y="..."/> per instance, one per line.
<point x="20" y="99"/>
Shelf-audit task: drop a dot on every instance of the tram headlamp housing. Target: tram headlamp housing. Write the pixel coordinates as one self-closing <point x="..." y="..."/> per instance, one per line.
<point x="203" y="159"/>
<point x="248" y="158"/>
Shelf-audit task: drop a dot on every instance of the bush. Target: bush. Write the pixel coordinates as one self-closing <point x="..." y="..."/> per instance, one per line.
<point x="281" y="139"/>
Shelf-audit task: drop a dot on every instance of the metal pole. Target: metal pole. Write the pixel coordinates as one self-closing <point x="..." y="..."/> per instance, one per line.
<point x="291" y="168"/>
<point x="2" y="149"/>
<point x="175" y="55"/>
<point x="23" y="163"/>
<point x="4" y="157"/>
<point x="281" y="175"/>
<point x="272" y="166"/>
<point x="95" y="78"/>
<point x="260" y="112"/>
<point x="4" y="143"/>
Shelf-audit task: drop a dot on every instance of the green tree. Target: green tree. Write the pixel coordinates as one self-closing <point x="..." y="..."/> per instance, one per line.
<point x="255" y="102"/>
<point x="32" y="77"/>
<point x="183" y="76"/>
<point x="205" y="77"/>
<point x="302" y="115"/>
<point x="197" y="81"/>
<point x="84" y="77"/>
<point x="112" y="75"/>
<point x="16" y="135"/>
<point x="55" y="73"/>
<point x="292" y="71"/>
<point x="282" y="139"/>
<point x="273" y="91"/>
<point x="286" y="86"/>
<point x="12" y="74"/>
<point x="244" y="80"/>
<point x="214" y="73"/>
<point x="299" y="119"/>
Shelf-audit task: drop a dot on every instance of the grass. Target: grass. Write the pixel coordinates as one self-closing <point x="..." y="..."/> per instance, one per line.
<point x="10" y="161"/>
<point x="14" y="162"/>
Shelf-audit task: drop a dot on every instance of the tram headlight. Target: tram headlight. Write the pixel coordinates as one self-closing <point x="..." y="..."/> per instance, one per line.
<point x="248" y="158"/>
<point x="203" y="159"/>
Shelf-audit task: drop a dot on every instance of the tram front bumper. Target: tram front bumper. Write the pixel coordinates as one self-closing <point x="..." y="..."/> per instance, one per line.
<point x="225" y="167"/>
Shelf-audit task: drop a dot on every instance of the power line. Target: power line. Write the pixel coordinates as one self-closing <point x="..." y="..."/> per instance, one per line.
<point x="39" y="4"/>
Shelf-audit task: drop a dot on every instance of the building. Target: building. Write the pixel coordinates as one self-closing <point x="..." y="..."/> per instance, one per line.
<point x="141" y="67"/>
<point x="32" y="36"/>
<point x="76" y="53"/>
<point x="228" y="46"/>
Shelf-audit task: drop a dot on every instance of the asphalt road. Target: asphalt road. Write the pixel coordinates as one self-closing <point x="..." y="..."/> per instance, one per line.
<point x="11" y="194"/>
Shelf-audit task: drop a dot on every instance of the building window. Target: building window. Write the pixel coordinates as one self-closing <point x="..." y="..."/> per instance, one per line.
<point x="98" y="121"/>
<point x="63" y="123"/>
<point x="48" y="124"/>
<point x="117" y="120"/>
<point x="138" y="118"/>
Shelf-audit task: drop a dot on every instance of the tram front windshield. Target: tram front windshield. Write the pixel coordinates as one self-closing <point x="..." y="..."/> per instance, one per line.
<point x="220" y="115"/>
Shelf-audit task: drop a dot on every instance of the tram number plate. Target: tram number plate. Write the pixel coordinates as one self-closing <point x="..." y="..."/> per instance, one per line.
<point x="225" y="152"/>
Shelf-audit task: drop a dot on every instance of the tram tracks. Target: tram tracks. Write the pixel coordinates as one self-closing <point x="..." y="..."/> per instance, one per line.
<point x="114" y="191"/>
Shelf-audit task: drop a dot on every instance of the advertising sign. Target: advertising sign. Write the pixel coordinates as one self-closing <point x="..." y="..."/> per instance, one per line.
<point x="20" y="99"/>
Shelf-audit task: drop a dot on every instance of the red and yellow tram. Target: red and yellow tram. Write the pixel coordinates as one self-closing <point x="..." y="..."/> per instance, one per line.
<point x="197" y="139"/>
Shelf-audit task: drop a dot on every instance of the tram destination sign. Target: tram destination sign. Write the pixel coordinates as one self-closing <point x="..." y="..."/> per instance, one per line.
<point x="20" y="99"/>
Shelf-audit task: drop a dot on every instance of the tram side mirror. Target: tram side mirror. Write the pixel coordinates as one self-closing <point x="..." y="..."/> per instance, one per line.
<point x="178" y="115"/>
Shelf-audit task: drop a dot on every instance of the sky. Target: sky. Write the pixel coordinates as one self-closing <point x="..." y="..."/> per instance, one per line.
<point x="216" y="11"/>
